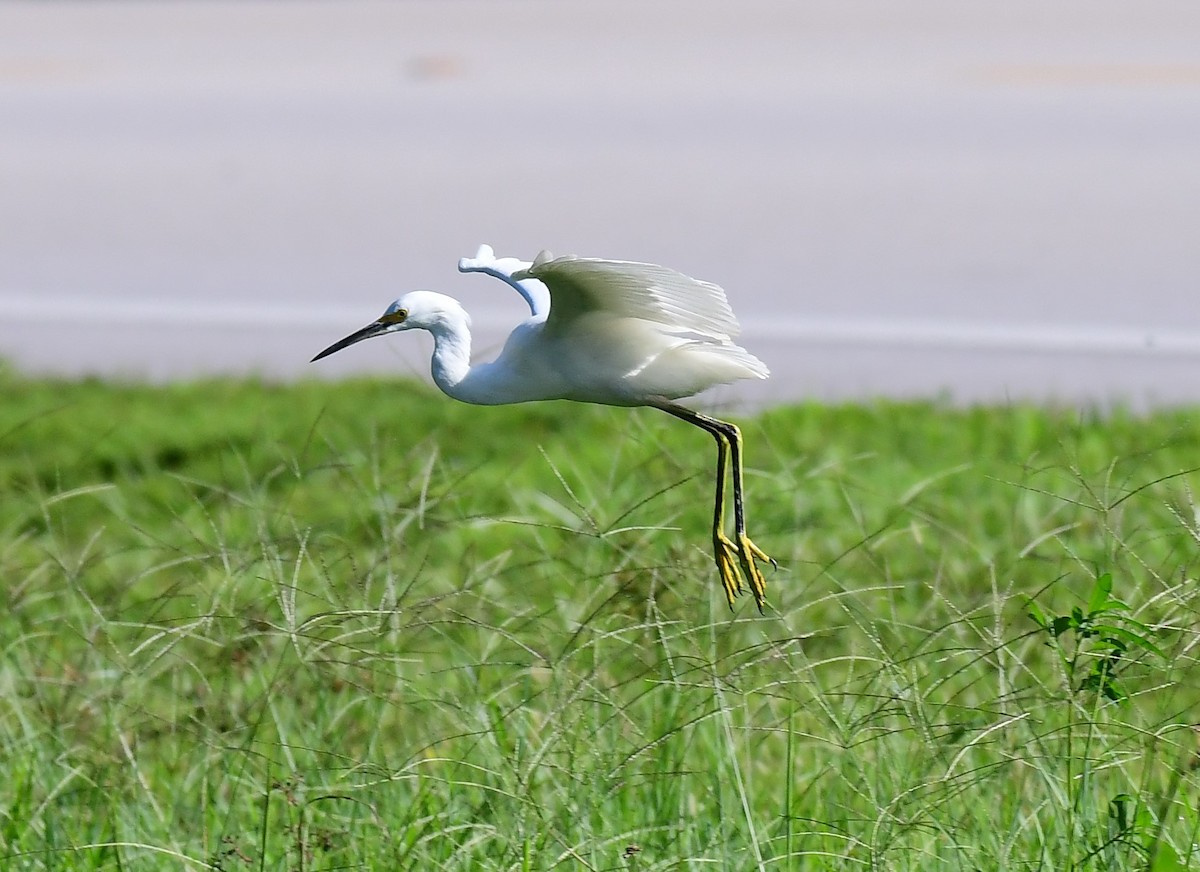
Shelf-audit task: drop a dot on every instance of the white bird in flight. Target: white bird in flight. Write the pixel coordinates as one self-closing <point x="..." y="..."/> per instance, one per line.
<point x="611" y="332"/>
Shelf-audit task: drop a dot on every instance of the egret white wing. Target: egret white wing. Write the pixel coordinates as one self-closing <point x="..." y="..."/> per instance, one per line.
<point x="581" y="286"/>
<point x="503" y="268"/>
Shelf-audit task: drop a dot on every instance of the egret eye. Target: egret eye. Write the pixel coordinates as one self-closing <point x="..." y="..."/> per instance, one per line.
<point x="396" y="317"/>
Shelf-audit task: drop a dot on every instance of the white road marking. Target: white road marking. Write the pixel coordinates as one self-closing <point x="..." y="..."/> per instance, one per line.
<point x="908" y="333"/>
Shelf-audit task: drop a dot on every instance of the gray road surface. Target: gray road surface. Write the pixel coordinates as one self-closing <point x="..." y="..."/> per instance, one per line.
<point x="994" y="201"/>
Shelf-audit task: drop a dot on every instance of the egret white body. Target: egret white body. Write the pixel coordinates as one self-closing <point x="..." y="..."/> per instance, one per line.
<point x="611" y="332"/>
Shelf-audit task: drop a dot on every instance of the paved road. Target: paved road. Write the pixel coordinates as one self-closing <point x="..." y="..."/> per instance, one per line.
<point x="901" y="198"/>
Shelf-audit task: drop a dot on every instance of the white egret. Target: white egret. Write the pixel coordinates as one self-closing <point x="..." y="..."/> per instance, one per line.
<point x="601" y="331"/>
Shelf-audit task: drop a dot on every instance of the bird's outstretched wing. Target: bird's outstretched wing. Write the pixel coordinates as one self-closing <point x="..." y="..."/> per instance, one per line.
<point x="581" y="285"/>
<point x="503" y="268"/>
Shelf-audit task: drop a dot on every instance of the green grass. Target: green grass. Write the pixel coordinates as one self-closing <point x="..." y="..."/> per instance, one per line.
<point x="359" y="626"/>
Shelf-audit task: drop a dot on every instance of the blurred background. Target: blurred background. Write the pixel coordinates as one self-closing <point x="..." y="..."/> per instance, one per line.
<point x="987" y="202"/>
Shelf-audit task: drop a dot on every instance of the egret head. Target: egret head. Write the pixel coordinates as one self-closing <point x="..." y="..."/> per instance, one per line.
<point x="424" y="310"/>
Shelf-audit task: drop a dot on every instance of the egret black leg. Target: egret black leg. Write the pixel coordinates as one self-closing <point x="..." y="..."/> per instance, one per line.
<point x="726" y="553"/>
<point x="723" y="549"/>
<point x="748" y="552"/>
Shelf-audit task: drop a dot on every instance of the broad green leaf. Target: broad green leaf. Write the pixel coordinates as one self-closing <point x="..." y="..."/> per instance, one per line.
<point x="1100" y="591"/>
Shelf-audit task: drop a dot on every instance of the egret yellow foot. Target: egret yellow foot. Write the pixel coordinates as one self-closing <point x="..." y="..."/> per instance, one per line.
<point x="726" y="555"/>
<point x="748" y="552"/>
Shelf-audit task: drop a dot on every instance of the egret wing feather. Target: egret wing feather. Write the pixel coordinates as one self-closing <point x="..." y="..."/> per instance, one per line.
<point x="645" y="291"/>
<point x="503" y="268"/>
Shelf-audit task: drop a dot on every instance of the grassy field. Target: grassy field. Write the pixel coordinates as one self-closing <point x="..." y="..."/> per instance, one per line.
<point x="359" y="626"/>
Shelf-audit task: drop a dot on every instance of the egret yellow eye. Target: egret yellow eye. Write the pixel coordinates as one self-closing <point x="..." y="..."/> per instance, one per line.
<point x="394" y="317"/>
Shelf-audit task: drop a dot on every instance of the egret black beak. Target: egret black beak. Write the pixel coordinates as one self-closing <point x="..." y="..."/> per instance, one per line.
<point x="373" y="329"/>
